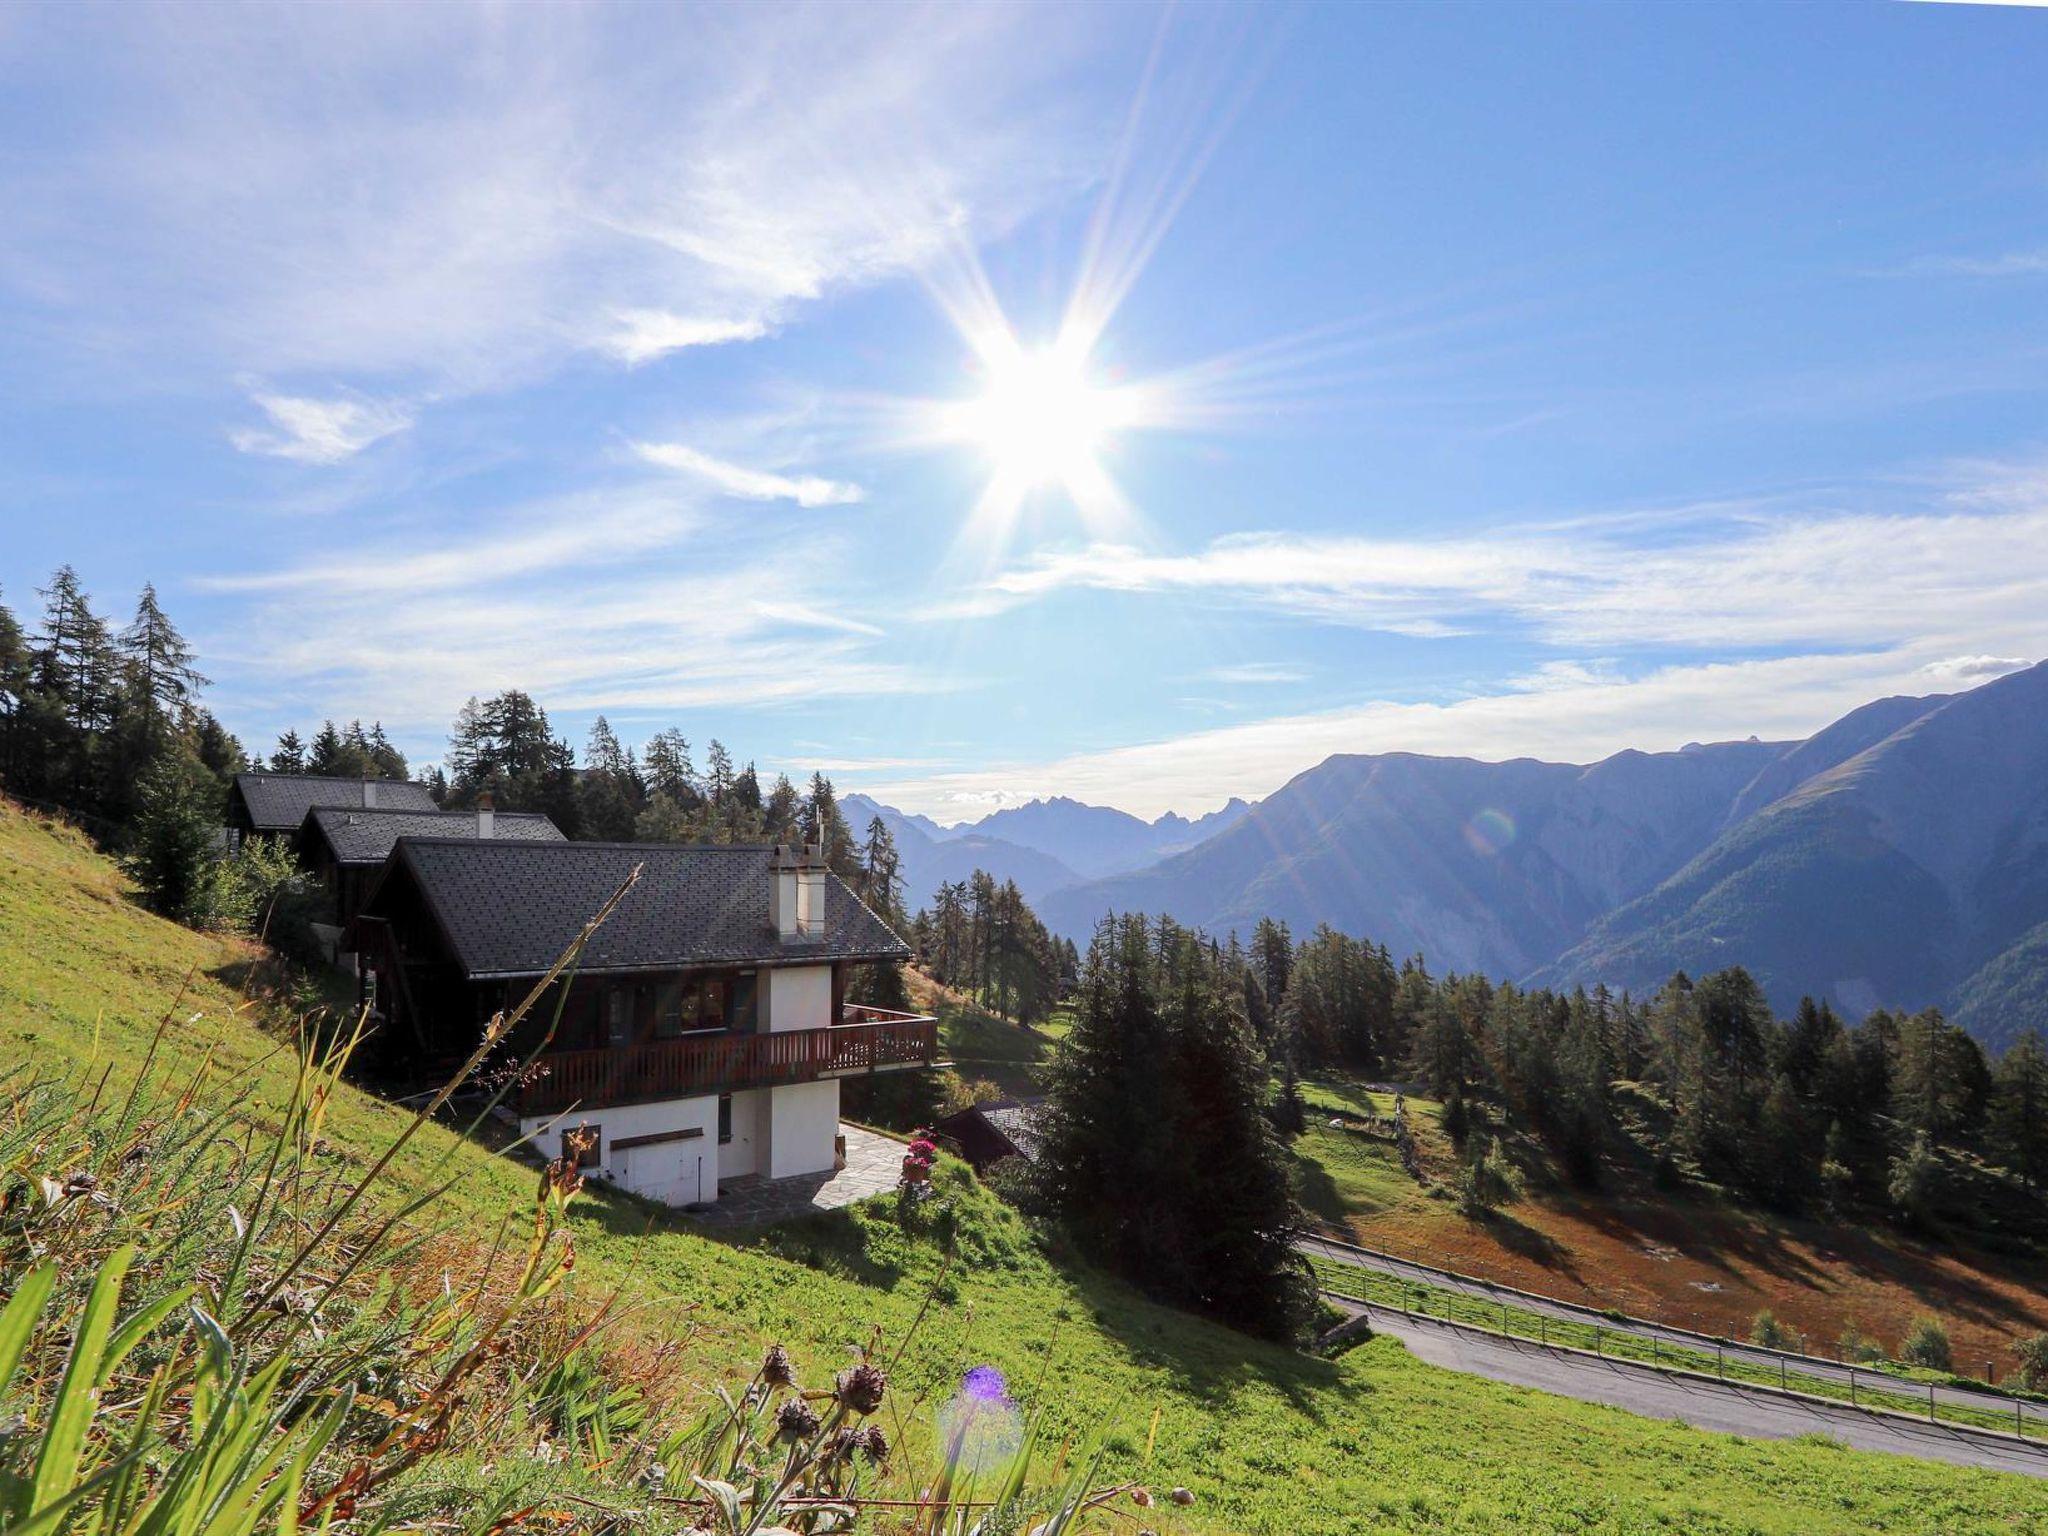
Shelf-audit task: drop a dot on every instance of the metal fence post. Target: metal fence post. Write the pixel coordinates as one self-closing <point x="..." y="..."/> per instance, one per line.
<point x="1930" y="1402"/>
<point x="1852" y="1386"/>
<point x="1596" y="1338"/>
<point x="1720" y="1369"/>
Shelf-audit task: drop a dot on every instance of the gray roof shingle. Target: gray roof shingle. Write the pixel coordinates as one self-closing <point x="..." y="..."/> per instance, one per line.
<point x="511" y="908"/>
<point x="367" y="837"/>
<point x="278" y="802"/>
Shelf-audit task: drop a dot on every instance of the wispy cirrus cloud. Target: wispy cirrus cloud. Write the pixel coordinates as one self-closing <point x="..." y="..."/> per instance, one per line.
<point x="1564" y="720"/>
<point x="572" y="182"/>
<point x="750" y="484"/>
<point x="620" y="599"/>
<point x="1783" y="580"/>
<point x="2005" y="264"/>
<point x="312" y="431"/>
<point x="641" y="335"/>
<point x="1255" y="672"/>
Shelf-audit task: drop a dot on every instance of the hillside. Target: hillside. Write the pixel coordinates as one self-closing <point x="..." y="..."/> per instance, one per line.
<point x="1481" y="866"/>
<point x="1694" y="1258"/>
<point x="1898" y="857"/>
<point x="1910" y="873"/>
<point x="1269" y="1440"/>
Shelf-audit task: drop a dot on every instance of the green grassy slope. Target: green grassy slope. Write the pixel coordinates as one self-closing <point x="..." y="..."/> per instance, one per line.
<point x="1270" y="1441"/>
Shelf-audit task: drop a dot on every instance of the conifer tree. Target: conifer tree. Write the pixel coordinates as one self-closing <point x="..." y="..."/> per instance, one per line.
<point x="168" y="682"/>
<point x="2019" y="1108"/>
<point x="173" y="837"/>
<point x="290" y="756"/>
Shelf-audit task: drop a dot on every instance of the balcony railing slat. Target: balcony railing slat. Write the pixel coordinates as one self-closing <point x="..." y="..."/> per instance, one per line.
<point x="660" y="1069"/>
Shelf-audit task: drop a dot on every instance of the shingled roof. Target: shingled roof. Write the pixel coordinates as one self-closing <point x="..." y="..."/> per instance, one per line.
<point x="367" y="837"/>
<point x="511" y="908"/>
<point x="278" y="802"/>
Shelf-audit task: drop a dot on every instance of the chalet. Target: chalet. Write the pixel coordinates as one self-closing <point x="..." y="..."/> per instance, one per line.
<point x="705" y="1032"/>
<point x="347" y="848"/>
<point x="275" y="804"/>
<point x="992" y="1130"/>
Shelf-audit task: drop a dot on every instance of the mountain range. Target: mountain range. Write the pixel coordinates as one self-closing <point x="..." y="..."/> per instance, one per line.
<point x="1899" y="857"/>
<point x="1043" y="845"/>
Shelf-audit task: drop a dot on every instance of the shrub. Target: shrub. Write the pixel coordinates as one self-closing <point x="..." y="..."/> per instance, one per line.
<point x="2033" y="1359"/>
<point x="1765" y="1329"/>
<point x="1487" y="1181"/>
<point x="1855" y="1344"/>
<point x="1926" y="1344"/>
<point x="1916" y="1183"/>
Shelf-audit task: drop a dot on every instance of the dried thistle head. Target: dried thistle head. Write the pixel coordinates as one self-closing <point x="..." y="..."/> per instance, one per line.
<point x="797" y="1420"/>
<point x="871" y="1443"/>
<point x="860" y="1389"/>
<point x="777" y="1370"/>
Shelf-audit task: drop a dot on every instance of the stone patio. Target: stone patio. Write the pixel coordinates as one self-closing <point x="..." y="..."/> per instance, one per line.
<point x="873" y="1165"/>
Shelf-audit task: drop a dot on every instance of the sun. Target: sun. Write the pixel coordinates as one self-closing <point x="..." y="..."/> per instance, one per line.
<point x="1041" y="419"/>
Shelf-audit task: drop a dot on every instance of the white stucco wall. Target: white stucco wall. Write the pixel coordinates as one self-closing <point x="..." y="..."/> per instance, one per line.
<point x="799" y="997"/>
<point x="677" y="1172"/>
<point x="749" y="1125"/>
<point x="802" y="1123"/>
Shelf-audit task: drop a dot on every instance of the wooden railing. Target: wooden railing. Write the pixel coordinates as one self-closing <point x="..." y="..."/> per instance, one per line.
<point x="699" y="1064"/>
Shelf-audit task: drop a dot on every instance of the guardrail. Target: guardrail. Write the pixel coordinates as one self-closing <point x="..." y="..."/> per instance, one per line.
<point x="2000" y="1437"/>
<point x="1712" y="1340"/>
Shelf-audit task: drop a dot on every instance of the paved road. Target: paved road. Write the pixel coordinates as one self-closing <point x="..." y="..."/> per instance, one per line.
<point x="1730" y="1409"/>
<point x="1823" y="1370"/>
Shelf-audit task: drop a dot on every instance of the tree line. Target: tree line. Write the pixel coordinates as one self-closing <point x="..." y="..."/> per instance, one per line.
<point x="1790" y="1112"/>
<point x="983" y="939"/>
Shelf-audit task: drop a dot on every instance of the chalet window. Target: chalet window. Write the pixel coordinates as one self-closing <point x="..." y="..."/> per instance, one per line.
<point x="724" y="1118"/>
<point x="689" y="1005"/>
<point x="618" y="1016"/>
<point x="744" y="997"/>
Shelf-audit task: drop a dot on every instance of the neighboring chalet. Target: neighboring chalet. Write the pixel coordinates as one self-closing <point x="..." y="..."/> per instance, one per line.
<point x="275" y="804"/>
<point x="992" y="1130"/>
<point x="705" y="1031"/>
<point x="347" y="848"/>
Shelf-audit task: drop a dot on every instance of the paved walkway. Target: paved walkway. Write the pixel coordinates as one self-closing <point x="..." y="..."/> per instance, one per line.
<point x="873" y="1165"/>
<point x="2035" y="1417"/>
<point x="1728" y="1408"/>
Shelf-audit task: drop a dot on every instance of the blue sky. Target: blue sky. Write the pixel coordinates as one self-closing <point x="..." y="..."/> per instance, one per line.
<point x="1501" y="381"/>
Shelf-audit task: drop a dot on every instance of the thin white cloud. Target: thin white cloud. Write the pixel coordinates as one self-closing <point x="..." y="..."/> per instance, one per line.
<point x="620" y="600"/>
<point x="1968" y="671"/>
<point x="313" y="431"/>
<point x="1842" y="579"/>
<point x="285" y="193"/>
<point x="641" y="335"/>
<point x="750" y="484"/>
<point x="1781" y="699"/>
<point x="1254" y="672"/>
<point x="2009" y="264"/>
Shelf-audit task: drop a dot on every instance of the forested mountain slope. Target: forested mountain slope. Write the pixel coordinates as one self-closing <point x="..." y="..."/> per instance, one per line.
<point x="1899" y="857"/>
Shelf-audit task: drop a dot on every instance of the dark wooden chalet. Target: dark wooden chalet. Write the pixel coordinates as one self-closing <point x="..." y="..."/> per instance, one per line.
<point x="275" y="804"/>
<point x="348" y="848"/>
<point x="992" y="1130"/>
<point x="671" y="998"/>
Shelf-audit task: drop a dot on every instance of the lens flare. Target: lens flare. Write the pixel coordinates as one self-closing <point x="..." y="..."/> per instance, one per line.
<point x="1490" y="832"/>
<point x="981" y="1428"/>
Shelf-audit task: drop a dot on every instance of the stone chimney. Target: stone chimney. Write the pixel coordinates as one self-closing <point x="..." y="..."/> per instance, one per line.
<point x="369" y="794"/>
<point x="486" y="816"/>
<point x="810" y="893"/>
<point x="784" y="882"/>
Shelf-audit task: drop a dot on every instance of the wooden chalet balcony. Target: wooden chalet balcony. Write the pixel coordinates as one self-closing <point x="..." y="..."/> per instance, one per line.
<point x="870" y="1040"/>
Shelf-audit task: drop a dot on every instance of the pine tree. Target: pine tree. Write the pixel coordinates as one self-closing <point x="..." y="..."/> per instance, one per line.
<point x="173" y="836"/>
<point x="290" y="756"/>
<point x="168" y="681"/>
<point x="2019" y="1108"/>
